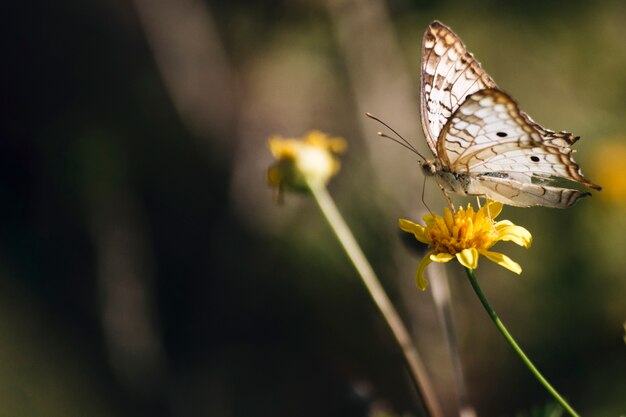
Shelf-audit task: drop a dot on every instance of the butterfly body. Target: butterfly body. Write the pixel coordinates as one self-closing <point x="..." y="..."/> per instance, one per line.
<point x="483" y="144"/>
<point x="448" y="180"/>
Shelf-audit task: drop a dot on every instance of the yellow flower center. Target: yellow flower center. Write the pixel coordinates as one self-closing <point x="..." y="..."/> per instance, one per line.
<point x="464" y="229"/>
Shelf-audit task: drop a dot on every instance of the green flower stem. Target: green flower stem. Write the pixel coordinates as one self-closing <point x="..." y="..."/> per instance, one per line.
<point x="514" y="345"/>
<point x="391" y="316"/>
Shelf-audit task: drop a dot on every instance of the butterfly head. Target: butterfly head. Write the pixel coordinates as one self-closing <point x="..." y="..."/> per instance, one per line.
<point x="429" y="168"/>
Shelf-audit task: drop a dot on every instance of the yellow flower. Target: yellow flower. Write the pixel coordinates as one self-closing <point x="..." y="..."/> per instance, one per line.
<point x="303" y="162"/>
<point x="609" y="164"/>
<point x="465" y="235"/>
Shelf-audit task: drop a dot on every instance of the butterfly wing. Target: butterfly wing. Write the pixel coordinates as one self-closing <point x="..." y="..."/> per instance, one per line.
<point x="514" y="193"/>
<point x="448" y="75"/>
<point x="510" y="156"/>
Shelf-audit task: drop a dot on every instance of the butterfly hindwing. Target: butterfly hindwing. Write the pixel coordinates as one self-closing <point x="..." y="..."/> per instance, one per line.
<point x="524" y="194"/>
<point x="489" y="134"/>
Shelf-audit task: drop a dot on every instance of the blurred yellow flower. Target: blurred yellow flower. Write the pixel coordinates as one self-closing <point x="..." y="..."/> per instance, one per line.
<point x="465" y="235"/>
<point x="303" y="162"/>
<point x="609" y="164"/>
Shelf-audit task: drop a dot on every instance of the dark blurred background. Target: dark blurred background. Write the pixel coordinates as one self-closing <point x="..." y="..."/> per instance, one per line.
<point x="145" y="269"/>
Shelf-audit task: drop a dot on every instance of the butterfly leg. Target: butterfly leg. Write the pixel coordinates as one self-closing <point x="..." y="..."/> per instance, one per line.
<point x="423" y="194"/>
<point x="479" y="206"/>
<point x="450" y="203"/>
<point x="488" y="213"/>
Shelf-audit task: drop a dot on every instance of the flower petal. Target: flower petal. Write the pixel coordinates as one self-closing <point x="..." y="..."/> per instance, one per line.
<point x="418" y="231"/>
<point x="502" y="260"/>
<point x="408" y="225"/>
<point x="421" y="281"/>
<point x="441" y="257"/>
<point x="448" y="218"/>
<point x="468" y="258"/>
<point x="507" y="231"/>
<point x="429" y="219"/>
<point x="492" y="209"/>
<point x="440" y="226"/>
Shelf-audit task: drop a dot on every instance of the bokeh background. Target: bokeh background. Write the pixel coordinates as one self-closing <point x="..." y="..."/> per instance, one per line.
<point x="145" y="269"/>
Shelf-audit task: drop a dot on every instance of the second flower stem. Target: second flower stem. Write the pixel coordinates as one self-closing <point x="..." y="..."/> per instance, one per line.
<point x="399" y="330"/>
<point x="514" y="345"/>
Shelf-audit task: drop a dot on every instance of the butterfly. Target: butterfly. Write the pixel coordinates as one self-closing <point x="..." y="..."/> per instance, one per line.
<point x="483" y="144"/>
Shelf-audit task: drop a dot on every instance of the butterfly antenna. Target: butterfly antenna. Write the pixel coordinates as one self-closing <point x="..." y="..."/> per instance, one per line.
<point x="401" y="141"/>
<point x="410" y="148"/>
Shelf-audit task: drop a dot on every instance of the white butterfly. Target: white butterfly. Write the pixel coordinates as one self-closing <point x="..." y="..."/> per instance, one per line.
<point x="483" y="144"/>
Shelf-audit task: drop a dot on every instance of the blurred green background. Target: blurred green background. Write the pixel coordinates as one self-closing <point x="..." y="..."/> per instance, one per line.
<point x="145" y="269"/>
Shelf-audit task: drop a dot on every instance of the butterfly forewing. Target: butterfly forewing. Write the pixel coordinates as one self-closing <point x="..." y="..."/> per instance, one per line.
<point x="449" y="74"/>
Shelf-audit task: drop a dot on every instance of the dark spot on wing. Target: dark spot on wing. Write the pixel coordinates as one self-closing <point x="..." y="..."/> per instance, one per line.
<point x="534" y="158"/>
<point x="502" y="134"/>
